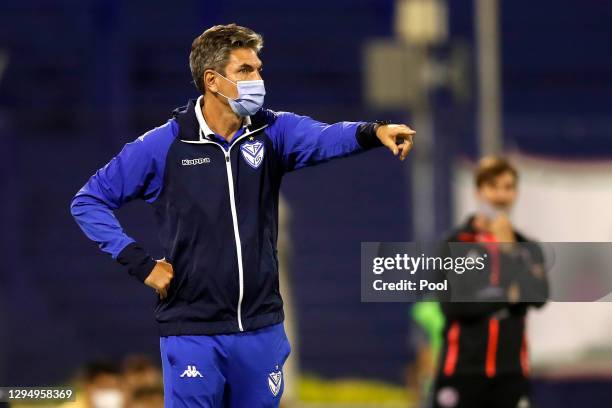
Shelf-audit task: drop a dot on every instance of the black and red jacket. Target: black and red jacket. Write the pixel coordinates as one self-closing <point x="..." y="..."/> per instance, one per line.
<point x="489" y="338"/>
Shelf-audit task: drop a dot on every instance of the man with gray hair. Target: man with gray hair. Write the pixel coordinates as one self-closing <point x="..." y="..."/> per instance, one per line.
<point x="213" y="174"/>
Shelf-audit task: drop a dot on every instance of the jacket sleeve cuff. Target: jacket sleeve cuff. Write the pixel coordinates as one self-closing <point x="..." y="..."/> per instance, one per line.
<point x="366" y="135"/>
<point x="137" y="260"/>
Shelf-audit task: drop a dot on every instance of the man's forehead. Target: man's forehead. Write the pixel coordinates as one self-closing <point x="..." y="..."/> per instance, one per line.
<point x="500" y="179"/>
<point x="505" y="176"/>
<point x="242" y="56"/>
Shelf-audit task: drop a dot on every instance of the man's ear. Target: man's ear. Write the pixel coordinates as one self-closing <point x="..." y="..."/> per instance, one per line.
<point x="210" y="81"/>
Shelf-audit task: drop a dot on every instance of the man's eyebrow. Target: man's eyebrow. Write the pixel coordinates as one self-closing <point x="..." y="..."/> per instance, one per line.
<point x="249" y="66"/>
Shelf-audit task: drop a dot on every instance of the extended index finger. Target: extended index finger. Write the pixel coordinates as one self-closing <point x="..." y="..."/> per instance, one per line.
<point x="408" y="130"/>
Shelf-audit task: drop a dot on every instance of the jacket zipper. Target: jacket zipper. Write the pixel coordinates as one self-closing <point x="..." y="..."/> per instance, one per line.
<point x="230" y="182"/>
<point x="232" y="197"/>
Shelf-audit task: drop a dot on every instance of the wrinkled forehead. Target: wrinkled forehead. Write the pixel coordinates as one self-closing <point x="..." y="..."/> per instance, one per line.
<point x="244" y="56"/>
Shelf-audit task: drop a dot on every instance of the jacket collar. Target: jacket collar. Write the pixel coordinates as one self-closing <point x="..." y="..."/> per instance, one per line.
<point x="189" y="128"/>
<point x="246" y="122"/>
<point x="191" y="120"/>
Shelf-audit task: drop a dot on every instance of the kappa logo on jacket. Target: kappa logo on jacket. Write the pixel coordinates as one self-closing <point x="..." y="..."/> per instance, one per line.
<point x="195" y="162"/>
<point x="253" y="153"/>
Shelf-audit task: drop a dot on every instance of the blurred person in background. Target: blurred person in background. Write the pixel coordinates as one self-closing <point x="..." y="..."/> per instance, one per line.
<point x="484" y="359"/>
<point x="147" y="397"/>
<point x="139" y="372"/>
<point x="213" y="174"/>
<point x="426" y="340"/>
<point x="100" y="387"/>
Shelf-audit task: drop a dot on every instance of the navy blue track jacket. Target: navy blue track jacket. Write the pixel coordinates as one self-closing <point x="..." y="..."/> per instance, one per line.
<point x="216" y="206"/>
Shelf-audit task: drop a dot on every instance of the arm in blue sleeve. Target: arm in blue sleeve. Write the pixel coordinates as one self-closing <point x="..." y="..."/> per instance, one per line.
<point x="303" y="141"/>
<point x="136" y="172"/>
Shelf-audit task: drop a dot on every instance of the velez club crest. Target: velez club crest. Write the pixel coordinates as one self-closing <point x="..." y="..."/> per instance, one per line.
<point x="253" y="153"/>
<point x="275" y="379"/>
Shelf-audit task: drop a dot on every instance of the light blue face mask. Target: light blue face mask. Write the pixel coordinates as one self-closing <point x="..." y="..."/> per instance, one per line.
<point x="250" y="96"/>
<point x="490" y="211"/>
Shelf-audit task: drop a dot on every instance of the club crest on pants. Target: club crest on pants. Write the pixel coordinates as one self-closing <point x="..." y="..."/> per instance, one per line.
<point x="275" y="379"/>
<point x="253" y="153"/>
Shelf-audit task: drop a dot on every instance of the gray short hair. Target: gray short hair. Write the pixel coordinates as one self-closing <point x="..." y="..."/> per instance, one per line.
<point x="211" y="49"/>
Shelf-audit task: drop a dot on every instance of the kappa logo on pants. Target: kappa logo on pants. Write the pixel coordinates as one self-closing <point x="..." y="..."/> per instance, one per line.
<point x="191" y="372"/>
<point x="275" y="379"/>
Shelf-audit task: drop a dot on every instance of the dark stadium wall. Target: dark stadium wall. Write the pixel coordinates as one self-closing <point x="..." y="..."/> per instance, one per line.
<point x="85" y="77"/>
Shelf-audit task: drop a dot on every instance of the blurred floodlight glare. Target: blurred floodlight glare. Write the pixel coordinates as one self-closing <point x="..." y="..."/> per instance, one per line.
<point x="421" y="22"/>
